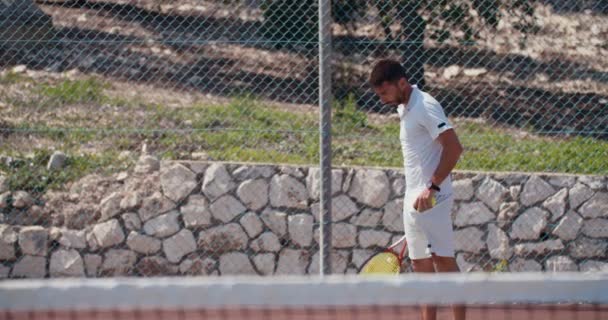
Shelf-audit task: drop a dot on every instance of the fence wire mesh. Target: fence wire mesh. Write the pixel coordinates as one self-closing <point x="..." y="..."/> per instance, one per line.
<point x="158" y="137"/>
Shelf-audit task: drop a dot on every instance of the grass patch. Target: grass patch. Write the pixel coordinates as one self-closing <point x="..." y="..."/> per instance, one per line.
<point x="74" y="91"/>
<point x="247" y="130"/>
<point x="241" y="131"/>
<point x="487" y="148"/>
<point x="10" y="78"/>
<point x="347" y="115"/>
<point x="30" y="173"/>
<point x="493" y="149"/>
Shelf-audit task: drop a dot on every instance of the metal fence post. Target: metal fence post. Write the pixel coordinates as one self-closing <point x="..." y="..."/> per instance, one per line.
<point x="325" y="135"/>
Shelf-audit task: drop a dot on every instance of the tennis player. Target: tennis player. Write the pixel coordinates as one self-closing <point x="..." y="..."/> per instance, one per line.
<point x="431" y="149"/>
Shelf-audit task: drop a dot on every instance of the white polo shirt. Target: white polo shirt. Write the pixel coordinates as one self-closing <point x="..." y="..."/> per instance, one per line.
<point x="422" y="120"/>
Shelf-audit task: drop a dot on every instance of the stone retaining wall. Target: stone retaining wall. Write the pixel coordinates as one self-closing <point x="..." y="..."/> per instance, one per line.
<point x="219" y="218"/>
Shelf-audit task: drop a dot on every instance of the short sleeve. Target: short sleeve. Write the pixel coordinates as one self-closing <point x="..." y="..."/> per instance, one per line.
<point x="433" y="119"/>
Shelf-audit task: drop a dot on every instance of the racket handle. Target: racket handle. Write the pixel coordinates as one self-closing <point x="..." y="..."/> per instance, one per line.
<point x="403" y="250"/>
<point x="397" y="242"/>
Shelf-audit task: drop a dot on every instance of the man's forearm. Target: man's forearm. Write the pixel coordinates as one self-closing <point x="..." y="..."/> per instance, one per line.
<point x="449" y="159"/>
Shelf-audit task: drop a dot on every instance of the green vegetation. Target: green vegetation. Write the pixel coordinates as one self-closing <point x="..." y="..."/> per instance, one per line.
<point x="81" y="116"/>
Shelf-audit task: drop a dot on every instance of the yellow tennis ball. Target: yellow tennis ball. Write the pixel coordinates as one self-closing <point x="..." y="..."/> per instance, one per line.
<point x="433" y="203"/>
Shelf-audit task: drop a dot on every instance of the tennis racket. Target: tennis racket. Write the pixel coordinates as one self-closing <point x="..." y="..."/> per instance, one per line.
<point x="387" y="261"/>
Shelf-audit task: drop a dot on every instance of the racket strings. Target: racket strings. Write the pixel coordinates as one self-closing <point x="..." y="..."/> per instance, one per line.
<point x="383" y="263"/>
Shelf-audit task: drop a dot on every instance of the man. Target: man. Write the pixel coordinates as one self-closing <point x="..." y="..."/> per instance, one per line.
<point x="431" y="149"/>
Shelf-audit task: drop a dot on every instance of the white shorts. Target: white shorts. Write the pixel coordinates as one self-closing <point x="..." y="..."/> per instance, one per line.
<point x="429" y="229"/>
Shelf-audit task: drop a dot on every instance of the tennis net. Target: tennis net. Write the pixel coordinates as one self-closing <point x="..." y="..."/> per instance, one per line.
<point x="486" y="296"/>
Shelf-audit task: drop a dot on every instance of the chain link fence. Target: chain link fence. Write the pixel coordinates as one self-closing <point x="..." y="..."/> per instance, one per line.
<point x="158" y="137"/>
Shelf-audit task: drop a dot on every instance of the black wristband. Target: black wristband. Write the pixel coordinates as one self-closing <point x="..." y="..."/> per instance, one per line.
<point x="435" y="187"/>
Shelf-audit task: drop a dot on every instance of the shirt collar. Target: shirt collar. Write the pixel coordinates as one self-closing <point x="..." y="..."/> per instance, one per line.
<point x="403" y="109"/>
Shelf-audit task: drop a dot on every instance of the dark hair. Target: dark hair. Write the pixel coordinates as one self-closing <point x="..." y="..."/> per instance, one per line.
<point x="386" y="70"/>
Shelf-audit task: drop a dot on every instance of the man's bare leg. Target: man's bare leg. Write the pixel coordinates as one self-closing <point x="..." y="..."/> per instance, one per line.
<point x="426" y="266"/>
<point x="448" y="264"/>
